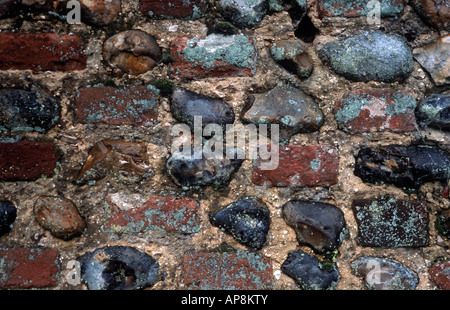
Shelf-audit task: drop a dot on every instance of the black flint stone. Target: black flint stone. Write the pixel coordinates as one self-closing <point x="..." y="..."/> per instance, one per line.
<point x="118" y="268"/>
<point x="21" y="110"/>
<point x="246" y="219"/>
<point x="308" y="272"/>
<point x="405" y="166"/>
<point x="8" y="213"/>
<point x="188" y="171"/>
<point x="186" y="104"/>
<point x="319" y="225"/>
<point x="434" y="111"/>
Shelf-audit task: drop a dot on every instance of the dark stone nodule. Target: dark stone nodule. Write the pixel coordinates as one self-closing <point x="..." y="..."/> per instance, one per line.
<point x="442" y="223"/>
<point x="22" y="110"/>
<point x="244" y="13"/>
<point x="197" y="170"/>
<point x="317" y="224"/>
<point x="434" y="111"/>
<point x="289" y="107"/>
<point x="246" y="219"/>
<point x="370" y="56"/>
<point x="8" y="213"/>
<point x="118" y="268"/>
<point x="383" y="274"/>
<point x="185" y="105"/>
<point x="405" y="166"/>
<point x="309" y="273"/>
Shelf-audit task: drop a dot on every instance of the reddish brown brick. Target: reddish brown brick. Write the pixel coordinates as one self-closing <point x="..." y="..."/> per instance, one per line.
<point x="183" y="9"/>
<point x="229" y="270"/>
<point x="22" y="268"/>
<point x="214" y="56"/>
<point x="27" y="161"/>
<point x="116" y="106"/>
<point x="299" y="166"/>
<point x="378" y="109"/>
<point x="440" y="275"/>
<point x="161" y="213"/>
<point x="41" y="52"/>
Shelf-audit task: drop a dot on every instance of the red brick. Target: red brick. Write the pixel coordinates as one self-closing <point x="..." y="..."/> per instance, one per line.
<point x="27" y="161"/>
<point x="440" y="275"/>
<point x="299" y="166"/>
<point x="162" y="213"/>
<point x="41" y="52"/>
<point x="22" y="268"/>
<point x="182" y="68"/>
<point x="173" y="9"/>
<point x="229" y="270"/>
<point x="116" y="106"/>
<point x="378" y="109"/>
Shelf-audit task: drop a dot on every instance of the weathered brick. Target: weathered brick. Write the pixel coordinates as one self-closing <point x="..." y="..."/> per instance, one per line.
<point x="183" y="9"/>
<point x="354" y="8"/>
<point x="228" y="270"/>
<point x="440" y="275"/>
<point x="158" y="213"/>
<point x="117" y="106"/>
<point x="378" y="109"/>
<point x="215" y="56"/>
<point x="299" y="166"/>
<point x="41" y="52"/>
<point x="391" y="223"/>
<point x="22" y="268"/>
<point x="27" y="161"/>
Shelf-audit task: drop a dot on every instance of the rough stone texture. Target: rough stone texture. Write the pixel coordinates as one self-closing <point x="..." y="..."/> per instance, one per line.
<point x="192" y="9"/>
<point x="186" y="105"/>
<point x="21" y="110"/>
<point x="435" y="58"/>
<point x="354" y="8"/>
<point x="370" y="56"/>
<point x="244" y="13"/>
<point x="293" y="56"/>
<point x="117" y="106"/>
<point x="215" y="56"/>
<point x="391" y="223"/>
<point x="376" y="109"/>
<point x="442" y="222"/>
<point x="286" y="20"/>
<point x="407" y="167"/>
<point x="27" y="161"/>
<point x="299" y="166"/>
<point x="309" y="273"/>
<point x="100" y="12"/>
<point x="41" y="52"/>
<point x="8" y="214"/>
<point x="196" y="170"/>
<point x="289" y="107"/>
<point x="383" y="274"/>
<point x="126" y="160"/>
<point x="440" y="275"/>
<point x="60" y="216"/>
<point x="319" y="225"/>
<point x="246" y="219"/>
<point x="227" y="271"/>
<point x="118" y="268"/>
<point x="132" y="51"/>
<point x="24" y="268"/>
<point x="434" y="111"/>
<point x="167" y="214"/>
<point x="435" y="12"/>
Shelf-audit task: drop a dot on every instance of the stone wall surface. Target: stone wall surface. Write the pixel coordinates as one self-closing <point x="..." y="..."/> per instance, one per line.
<point x="91" y="196"/>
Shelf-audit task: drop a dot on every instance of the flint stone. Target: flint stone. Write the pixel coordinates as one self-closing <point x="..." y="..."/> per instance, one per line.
<point x="370" y="56"/>
<point x="246" y="219"/>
